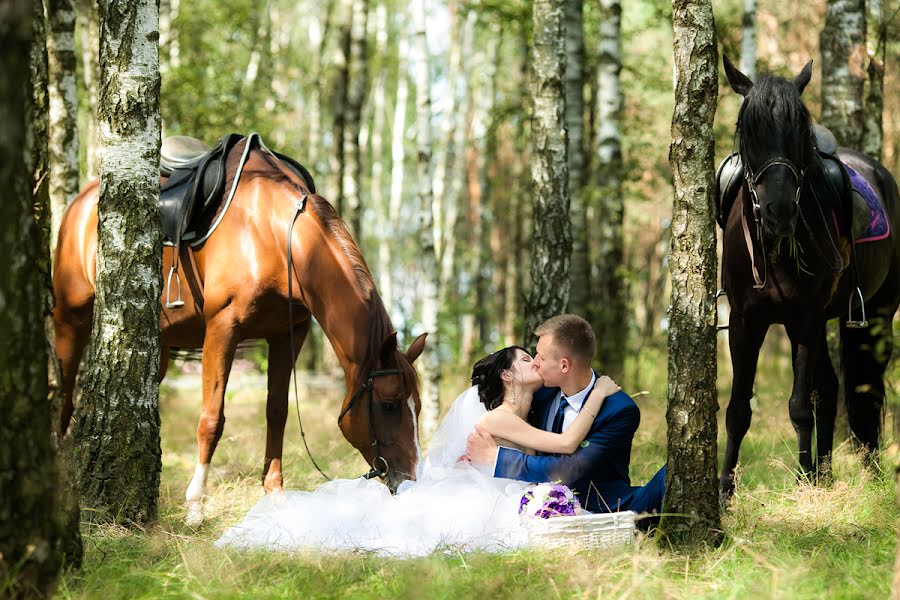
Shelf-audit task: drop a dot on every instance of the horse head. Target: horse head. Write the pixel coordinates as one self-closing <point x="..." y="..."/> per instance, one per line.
<point x="382" y="412"/>
<point x="776" y="146"/>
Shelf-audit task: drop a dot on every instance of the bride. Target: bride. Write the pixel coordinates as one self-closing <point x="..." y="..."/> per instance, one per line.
<point x="452" y="503"/>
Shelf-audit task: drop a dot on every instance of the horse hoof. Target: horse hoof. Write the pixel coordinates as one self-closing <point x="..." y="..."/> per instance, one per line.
<point x="194" y="516"/>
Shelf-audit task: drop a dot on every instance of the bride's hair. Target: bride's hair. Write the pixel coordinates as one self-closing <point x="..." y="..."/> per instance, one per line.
<point x="486" y="375"/>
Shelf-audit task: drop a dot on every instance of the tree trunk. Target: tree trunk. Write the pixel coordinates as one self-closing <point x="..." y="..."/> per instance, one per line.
<point x="748" y="40"/>
<point x="383" y="235"/>
<point x="36" y="532"/>
<point x="429" y="369"/>
<point x="873" y="137"/>
<point x="691" y="495"/>
<point x="610" y="316"/>
<point x="398" y="159"/>
<point x="358" y="84"/>
<point x="117" y="451"/>
<point x="580" y="268"/>
<point x="89" y="34"/>
<point x="339" y="87"/>
<point x="843" y="46"/>
<point x="552" y="235"/>
<point x="318" y="37"/>
<point x="63" y="109"/>
<point x="445" y="154"/>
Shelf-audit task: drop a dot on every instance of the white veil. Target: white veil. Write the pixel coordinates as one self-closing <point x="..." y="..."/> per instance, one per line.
<point x="449" y="441"/>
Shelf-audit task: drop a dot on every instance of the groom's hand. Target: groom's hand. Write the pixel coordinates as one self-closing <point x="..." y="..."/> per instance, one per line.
<point x="480" y="447"/>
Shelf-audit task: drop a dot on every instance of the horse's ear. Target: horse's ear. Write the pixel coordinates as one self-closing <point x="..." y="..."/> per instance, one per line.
<point x="803" y="78"/>
<point x="415" y="349"/>
<point x="739" y="82"/>
<point x="388" y="347"/>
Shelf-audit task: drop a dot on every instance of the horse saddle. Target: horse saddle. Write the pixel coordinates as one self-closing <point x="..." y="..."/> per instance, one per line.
<point x="730" y="176"/>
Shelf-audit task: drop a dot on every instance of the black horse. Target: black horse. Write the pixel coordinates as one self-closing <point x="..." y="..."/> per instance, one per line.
<point x="788" y="257"/>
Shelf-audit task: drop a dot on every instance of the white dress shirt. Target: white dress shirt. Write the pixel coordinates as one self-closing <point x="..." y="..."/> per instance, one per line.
<point x="575" y="402"/>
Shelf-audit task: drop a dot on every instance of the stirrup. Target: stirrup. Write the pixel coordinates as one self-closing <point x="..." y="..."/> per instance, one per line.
<point x="863" y="323"/>
<point x="719" y="294"/>
<point x="178" y="301"/>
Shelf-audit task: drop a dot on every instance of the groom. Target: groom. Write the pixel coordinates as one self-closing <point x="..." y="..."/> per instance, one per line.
<point x="598" y="470"/>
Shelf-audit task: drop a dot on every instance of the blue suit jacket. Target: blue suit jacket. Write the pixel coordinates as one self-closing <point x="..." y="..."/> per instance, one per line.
<point x="598" y="470"/>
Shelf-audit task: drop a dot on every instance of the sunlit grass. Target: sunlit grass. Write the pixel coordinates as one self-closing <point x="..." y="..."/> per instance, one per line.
<point x="783" y="539"/>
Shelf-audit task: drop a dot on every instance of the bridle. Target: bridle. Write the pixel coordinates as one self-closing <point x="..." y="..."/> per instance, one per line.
<point x="369" y="388"/>
<point x="753" y="180"/>
<point x="380" y="466"/>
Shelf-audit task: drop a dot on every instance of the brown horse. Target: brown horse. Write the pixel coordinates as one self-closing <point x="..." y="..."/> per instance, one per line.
<point x="238" y="282"/>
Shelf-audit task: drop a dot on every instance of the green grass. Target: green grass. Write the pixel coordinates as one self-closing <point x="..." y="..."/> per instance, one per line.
<point x="783" y="539"/>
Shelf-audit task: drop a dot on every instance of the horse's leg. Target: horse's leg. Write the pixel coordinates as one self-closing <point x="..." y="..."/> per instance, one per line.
<point x="277" y="402"/>
<point x="219" y="346"/>
<point x="73" y="331"/>
<point x="824" y="402"/>
<point x="744" y="339"/>
<point x="806" y="334"/>
<point x="865" y="355"/>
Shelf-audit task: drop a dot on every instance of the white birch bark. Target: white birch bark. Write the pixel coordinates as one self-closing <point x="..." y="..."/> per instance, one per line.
<point x="383" y="234"/>
<point x="117" y="454"/>
<point x="843" y="46"/>
<point x="580" y="271"/>
<point x="609" y="312"/>
<point x="552" y="235"/>
<point x="429" y="369"/>
<point x="63" y="110"/>
<point x="876" y="44"/>
<point x="358" y="83"/>
<point x="89" y="34"/>
<point x="748" y="40"/>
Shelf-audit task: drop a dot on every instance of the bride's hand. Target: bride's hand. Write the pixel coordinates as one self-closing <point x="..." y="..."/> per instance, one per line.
<point x="606" y="386"/>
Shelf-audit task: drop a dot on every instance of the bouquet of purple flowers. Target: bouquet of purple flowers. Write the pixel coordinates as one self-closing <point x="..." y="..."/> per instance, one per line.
<point x="547" y="500"/>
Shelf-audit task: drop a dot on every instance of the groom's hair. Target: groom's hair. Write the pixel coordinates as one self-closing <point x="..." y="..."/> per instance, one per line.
<point x="572" y="336"/>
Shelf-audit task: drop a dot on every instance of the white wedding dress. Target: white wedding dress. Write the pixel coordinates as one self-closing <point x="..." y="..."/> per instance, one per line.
<point x="450" y="507"/>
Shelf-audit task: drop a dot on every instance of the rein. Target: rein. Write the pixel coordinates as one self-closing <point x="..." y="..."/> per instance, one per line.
<point x="376" y="470"/>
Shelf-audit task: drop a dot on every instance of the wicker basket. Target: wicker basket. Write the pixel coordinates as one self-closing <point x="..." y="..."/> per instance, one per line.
<point x="601" y="530"/>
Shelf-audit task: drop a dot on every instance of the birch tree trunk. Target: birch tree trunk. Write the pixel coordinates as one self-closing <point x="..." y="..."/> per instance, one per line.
<point x="117" y="451"/>
<point x="383" y="233"/>
<point x="429" y="369"/>
<point x="691" y="494"/>
<point x="843" y="46"/>
<point x="35" y="530"/>
<point x="358" y="83"/>
<point x="580" y="269"/>
<point x="552" y="235"/>
<point x="610" y="316"/>
<point x="339" y="104"/>
<point x="748" y="40"/>
<point x="873" y="137"/>
<point x="89" y="34"/>
<point x="63" y="109"/>
<point x="452" y="181"/>
<point x="444" y="153"/>
<point x="398" y="157"/>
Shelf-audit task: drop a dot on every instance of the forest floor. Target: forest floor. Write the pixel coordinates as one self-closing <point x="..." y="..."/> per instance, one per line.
<point x="782" y="539"/>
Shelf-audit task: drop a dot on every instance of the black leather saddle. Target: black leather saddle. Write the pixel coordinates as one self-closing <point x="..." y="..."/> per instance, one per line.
<point x="191" y="197"/>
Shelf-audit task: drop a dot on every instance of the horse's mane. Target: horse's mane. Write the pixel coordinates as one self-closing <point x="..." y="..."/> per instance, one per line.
<point x="773" y="111"/>
<point x="379" y="322"/>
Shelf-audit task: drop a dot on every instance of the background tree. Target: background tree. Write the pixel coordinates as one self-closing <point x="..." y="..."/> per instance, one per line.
<point x="876" y="43"/>
<point x="117" y="449"/>
<point x="691" y="495"/>
<point x="551" y="232"/>
<point x="357" y="88"/>
<point x="843" y="46"/>
<point x="748" y="40"/>
<point x="88" y="27"/>
<point x="63" y="108"/>
<point x="428" y="365"/>
<point x="609" y="312"/>
<point x="579" y="273"/>
<point x="34" y="533"/>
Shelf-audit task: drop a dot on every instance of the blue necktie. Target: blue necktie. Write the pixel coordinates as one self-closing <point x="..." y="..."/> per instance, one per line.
<point x="560" y="413"/>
